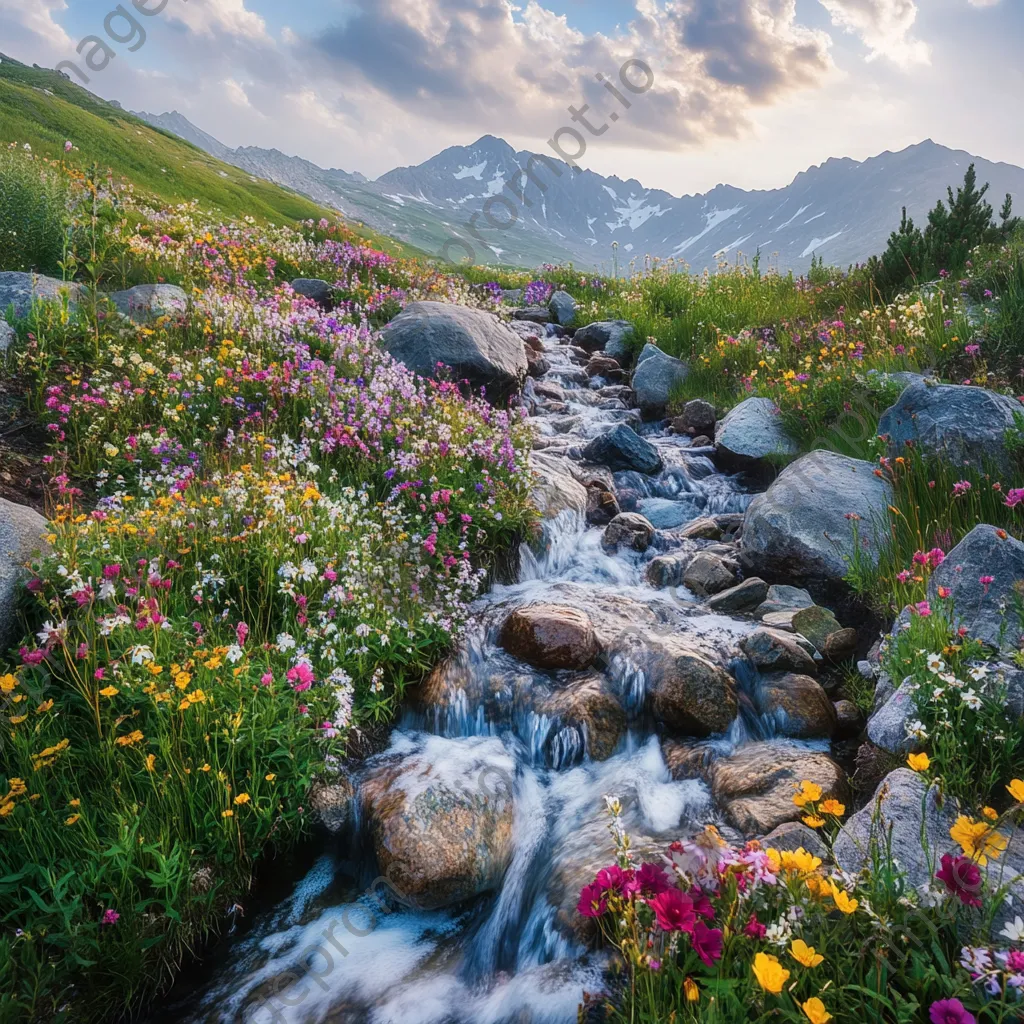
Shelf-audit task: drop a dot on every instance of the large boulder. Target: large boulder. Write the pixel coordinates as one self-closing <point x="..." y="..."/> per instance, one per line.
<point x="7" y="335"/>
<point x="563" y="308"/>
<point x="613" y="337"/>
<point x="686" y="691"/>
<point x="623" y="448"/>
<point x="150" y="301"/>
<point x="21" y="536"/>
<point x="913" y="819"/>
<point x="550" y="636"/>
<point x="440" y="816"/>
<point x="752" y="431"/>
<point x="20" y="290"/>
<point x="756" y="785"/>
<point x="963" y="425"/>
<point x="797" y="706"/>
<point x="468" y="343"/>
<point x="654" y="380"/>
<point x="698" y="418"/>
<point x="804" y="526"/>
<point x="986" y="610"/>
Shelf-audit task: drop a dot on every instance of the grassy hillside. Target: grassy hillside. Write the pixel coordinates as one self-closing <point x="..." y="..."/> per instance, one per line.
<point x="43" y="108"/>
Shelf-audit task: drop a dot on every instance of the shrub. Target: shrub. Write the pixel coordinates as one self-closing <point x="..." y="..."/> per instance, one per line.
<point x="34" y="214"/>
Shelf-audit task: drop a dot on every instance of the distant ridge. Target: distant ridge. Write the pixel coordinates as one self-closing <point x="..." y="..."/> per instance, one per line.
<point x="841" y="210"/>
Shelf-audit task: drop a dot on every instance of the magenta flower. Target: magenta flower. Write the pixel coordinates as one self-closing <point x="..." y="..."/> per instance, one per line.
<point x="707" y="943"/>
<point x="961" y="487"/>
<point x="1014" y="497"/>
<point x="702" y="906"/>
<point x="241" y="632"/>
<point x="592" y="901"/>
<point x="301" y="677"/>
<point x="652" y="880"/>
<point x="986" y="581"/>
<point x="615" y="880"/>
<point x="972" y="350"/>
<point x="950" y="1011"/>
<point x="754" y="929"/>
<point x="109" y="917"/>
<point x="674" y="911"/>
<point x="962" y="878"/>
<point x="923" y="608"/>
<point x="68" y="146"/>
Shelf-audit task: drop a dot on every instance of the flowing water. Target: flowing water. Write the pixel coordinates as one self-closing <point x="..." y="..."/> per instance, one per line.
<point x="336" y="950"/>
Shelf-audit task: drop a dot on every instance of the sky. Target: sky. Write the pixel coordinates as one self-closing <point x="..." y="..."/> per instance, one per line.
<point x="741" y="92"/>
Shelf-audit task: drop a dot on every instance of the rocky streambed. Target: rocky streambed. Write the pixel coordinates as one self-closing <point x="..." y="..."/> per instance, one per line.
<point x="639" y="655"/>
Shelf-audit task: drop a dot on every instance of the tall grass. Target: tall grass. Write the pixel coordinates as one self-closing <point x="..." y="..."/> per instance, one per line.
<point x="34" y="215"/>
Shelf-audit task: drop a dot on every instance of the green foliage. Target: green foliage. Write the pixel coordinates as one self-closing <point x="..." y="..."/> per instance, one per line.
<point x="904" y="258"/>
<point x="34" y="215"/>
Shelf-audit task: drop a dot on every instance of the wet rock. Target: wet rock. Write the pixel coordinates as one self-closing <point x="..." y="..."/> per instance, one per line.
<point x="603" y="366"/>
<point x="555" y="490"/>
<point x="331" y="801"/>
<point x="755" y="786"/>
<point x="963" y="425"/>
<point x="708" y="574"/>
<point x="784" y="599"/>
<point x="553" y="392"/>
<point x="620" y="391"/>
<point x="536" y="364"/>
<point x="698" y="418"/>
<point x="150" y="301"/>
<point x="689" y="759"/>
<point x="21" y="536"/>
<point x="563" y="307"/>
<point x="533" y="314"/>
<point x="623" y="448"/>
<point x="772" y="651"/>
<point x="21" y="290"/>
<point x="590" y="707"/>
<point x="703" y="529"/>
<point x="798" y="706"/>
<point x="532" y="342"/>
<point x="612" y="337"/>
<point x="752" y="432"/>
<point x="630" y="530"/>
<point x="984" y="552"/>
<point x="803" y="527"/>
<point x="470" y="343"/>
<point x="703" y="441"/>
<point x="602" y="506"/>
<point x="440" y="816"/>
<point x="742" y="598"/>
<point x="664" y="513"/>
<point x="795" y="835"/>
<point x="550" y="636"/>
<point x="316" y="289"/>
<point x="849" y="720"/>
<point x="530" y="333"/>
<point x="686" y="691"/>
<point x="667" y="570"/>
<point x="654" y="380"/>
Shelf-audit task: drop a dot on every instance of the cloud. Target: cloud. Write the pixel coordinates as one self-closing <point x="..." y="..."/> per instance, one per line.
<point x="885" y="26"/>
<point x="984" y="3"/>
<point x="496" y="67"/>
<point x="34" y="22"/>
<point x="220" y="17"/>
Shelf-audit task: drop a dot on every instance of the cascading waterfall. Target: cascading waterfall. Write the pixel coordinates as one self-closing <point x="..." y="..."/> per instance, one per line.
<point x="508" y="955"/>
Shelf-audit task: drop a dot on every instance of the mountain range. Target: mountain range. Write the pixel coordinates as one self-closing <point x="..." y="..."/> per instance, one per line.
<point x="841" y="211"/>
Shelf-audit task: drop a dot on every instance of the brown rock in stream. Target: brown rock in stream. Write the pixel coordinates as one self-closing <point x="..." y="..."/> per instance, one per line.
<point x="550" y="636"/>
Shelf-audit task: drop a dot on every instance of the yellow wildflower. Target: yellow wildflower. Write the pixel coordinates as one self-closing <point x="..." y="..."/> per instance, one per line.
<point x="770" y="974"/>
<point x="978" y="840"/>
<point x="919" y="762"/>
<point x="809" y="792"/>
<point x="843" y="900"/>
<point x="72" y="819"/>
<point x="815" y="1011"/>
<point x="150" y="762"/>
<point x="691" y="990"/>
<point x="242" y="798"/>
<point x="833" y="807"/>
<point x="109" y="691"/>
<point x="270" y="777"/>
<point x="813" y="821"/>
<point x="1016" y="790"/>
<point x="805" y="954"/>
<point x="991" y="813"/>
<point x="227" y="814"/>
<point x="8" y="683"/>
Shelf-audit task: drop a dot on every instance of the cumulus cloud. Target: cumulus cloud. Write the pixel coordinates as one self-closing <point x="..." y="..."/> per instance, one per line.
<point x="35" y="22"/>
<point x="984" y="3"/>
<point x="220" y="17"/>
<point x="489" y="64"/>
<point x="885" y="26"/>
